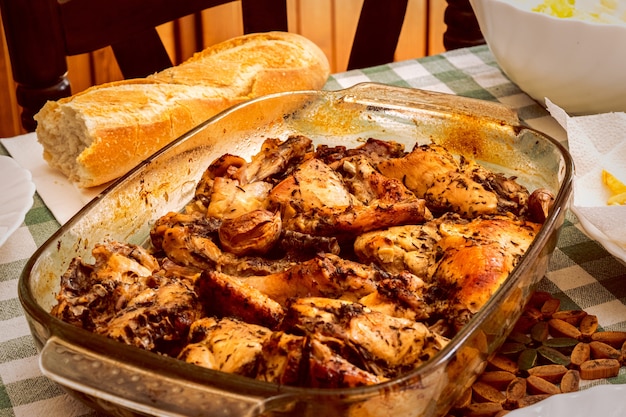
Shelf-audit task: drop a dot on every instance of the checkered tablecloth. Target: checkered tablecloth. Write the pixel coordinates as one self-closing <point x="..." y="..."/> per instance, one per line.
<point x="582" y="274"/>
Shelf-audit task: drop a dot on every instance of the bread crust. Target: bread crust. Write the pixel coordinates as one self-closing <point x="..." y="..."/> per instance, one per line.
<point x="99" y="134"/>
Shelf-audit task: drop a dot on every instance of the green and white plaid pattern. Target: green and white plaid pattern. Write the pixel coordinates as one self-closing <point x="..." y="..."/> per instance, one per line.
<point x="582" y="274"/>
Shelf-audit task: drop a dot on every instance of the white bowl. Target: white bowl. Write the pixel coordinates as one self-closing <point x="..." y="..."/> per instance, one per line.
<point x="579" y="65"/>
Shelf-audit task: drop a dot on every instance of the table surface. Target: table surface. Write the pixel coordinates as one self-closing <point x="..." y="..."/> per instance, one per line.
<point x="581" y="273"/>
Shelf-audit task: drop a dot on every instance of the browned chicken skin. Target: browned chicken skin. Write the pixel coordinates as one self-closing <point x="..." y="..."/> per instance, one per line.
<point x="460" y="186"/>
<point x="225" y="344"/>
<point x="317" y="200"/>
<point x="327" y="267"/>
<point x="383" y="345"/>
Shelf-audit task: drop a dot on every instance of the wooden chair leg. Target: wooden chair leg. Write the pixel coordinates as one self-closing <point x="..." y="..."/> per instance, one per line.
<point x="32" y="99"/>
<point x="148" y="47"/>
<point x="376" y="47"/>
<point x="33" y="37"/>
<point x="462" y="27"/>
<point x="259" y="17"/>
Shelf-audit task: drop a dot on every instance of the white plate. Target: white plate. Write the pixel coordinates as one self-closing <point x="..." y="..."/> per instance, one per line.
<point x="16" y="196"/>
<point x="601" y="400"/>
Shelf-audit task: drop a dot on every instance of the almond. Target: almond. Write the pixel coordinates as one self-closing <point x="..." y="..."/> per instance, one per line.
<point x="613" y="338"/>
<point x="570" y="381"/>
<point x="538" y="385"/>
<point x="588" y="325"/>
<point x="599" y="368"/>
<point x="483" y="409"/>
<point x="497" y="379"/>
<point x="502" y="363"/>
<point x="573" y="317"/>
<point x="485" y="393"/>
<point x="581" y="353"/>
<point x="601" y="350"/>
<point x="516" y="391"/>
<point x="551" y="373"/>
<point x="562" y="328"/>
<point x="551" y="306"/>
<point x="532" y="399"/>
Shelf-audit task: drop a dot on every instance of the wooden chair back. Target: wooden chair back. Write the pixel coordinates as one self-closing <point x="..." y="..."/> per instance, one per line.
<point x="41" y="34"/>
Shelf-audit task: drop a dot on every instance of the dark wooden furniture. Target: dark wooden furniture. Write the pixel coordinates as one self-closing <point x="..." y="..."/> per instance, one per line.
<point x="462" y="28"/>
<point x="40" y="34"/>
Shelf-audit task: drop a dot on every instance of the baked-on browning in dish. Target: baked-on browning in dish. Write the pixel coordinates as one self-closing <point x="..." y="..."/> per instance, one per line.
<point x="320" y="267"/>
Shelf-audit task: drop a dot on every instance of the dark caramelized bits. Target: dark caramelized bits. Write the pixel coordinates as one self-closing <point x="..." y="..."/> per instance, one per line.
<point x="550" y="352"/>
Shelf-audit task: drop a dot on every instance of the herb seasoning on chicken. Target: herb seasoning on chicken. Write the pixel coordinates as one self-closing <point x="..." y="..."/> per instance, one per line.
<point x="327" y="267"/>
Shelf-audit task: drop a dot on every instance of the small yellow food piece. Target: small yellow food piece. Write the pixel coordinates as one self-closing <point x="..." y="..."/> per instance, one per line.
<point x="616" y="187"/>
<point x="617" y="199"/>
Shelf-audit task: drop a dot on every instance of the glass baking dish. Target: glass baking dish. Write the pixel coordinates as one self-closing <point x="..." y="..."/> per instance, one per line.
<point x="123" y="380"/>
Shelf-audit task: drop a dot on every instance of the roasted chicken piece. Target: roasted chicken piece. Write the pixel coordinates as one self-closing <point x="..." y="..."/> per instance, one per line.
<point x="375" y="149"/>
<point x="289" y="359"/>
<point x="90" y="295"/>
<point x="478" y="257"/>
<point x="382" y="345"/>
<point x="401" y="248"/>
<point x="275" y="157"/>
<point x="125" y="296"/>
<point x="327" y="369"/>
<point x="156" y="319"/>
<point x="225" y="344"/>
<point x="325" y="275"/>
<point x="230" y="296"/>
<point x="317" y="200"/>
<point x="400" y="295"/>
<point x="188" y="245"/>
<point x="261" y="299"/>
<point x="284" y="358"/>
<point x="460" y="186"/>
<point x="463" y="262"/>
<point x="230" y="199"/>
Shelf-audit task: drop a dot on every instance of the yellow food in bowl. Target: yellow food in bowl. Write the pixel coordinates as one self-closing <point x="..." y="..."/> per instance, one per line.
<point x="600" y="11"/>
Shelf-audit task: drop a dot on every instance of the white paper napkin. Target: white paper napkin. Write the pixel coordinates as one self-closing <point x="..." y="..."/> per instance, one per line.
<point x="597" y="142"/>
<point x="61" y="196"/>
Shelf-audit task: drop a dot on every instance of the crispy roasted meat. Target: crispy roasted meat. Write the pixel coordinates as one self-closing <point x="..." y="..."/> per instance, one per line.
<point x="383" y="345"/>
<point x="126" y="297"/>
<point x="156" y="319"/>
<point x="455" y="185"/>
<point x="328" y="267"/>
<point x="325" y="275"/>
<point x="225" y="344"/>
<point x="318" y="200"/>
<point x="478" y="256"/>
<point x="231" y="296"/>
<point x="90" y="295"/>
<point x="462" y="261"/>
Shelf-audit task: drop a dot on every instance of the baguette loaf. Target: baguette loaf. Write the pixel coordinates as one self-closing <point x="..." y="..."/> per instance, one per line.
<point x="98" y="135"/>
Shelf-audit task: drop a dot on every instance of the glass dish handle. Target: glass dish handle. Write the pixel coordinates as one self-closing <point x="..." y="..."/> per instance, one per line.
<point x="386" y="96"/>
<point x="114" y="386"/>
